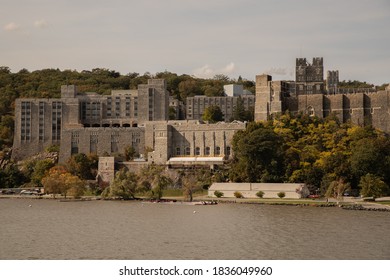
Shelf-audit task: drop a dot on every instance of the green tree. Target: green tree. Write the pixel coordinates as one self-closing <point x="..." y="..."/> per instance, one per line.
<point x="6" y="131"/>
<point x="258" y="155"/>
<point x="40" y="169"/>
<point x="172" y="113"/>
<point x="212" y="114"/>
<point x="11" y="177"/>
<point x="125" y="185"/>
<point x="337" y="188"/>
<point x="154" y="179"/>
<point x="240" y="113"/>
<point x="130" y="153"/>
<point x="82" y="165"/>
<point x="373" y="186"/>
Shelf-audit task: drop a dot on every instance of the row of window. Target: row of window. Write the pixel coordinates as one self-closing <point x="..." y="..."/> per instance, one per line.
<point x="207" y="151"/>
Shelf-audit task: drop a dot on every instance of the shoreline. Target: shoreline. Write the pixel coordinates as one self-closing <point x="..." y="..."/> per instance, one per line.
<point x="347" y="205"/>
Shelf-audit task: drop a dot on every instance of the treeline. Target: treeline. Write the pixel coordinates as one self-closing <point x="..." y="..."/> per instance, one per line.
<point x="331" y="158"/>
<point x="359" y="85"/>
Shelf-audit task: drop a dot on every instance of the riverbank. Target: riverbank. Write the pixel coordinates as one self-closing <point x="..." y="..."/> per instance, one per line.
<point x="348" y="203"/>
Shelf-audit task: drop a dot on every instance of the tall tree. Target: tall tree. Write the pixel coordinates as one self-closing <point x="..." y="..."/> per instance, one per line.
<point x="125" y="185"/>
<point x="212" y="114"/>
<point x="154" y="179"/>
<point x="373" y="186"/>
<point x="257" y="155"/>
<point x="240" y="113"/>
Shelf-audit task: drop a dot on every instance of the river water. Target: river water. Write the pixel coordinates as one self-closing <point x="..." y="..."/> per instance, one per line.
<point x="49" y="229"/>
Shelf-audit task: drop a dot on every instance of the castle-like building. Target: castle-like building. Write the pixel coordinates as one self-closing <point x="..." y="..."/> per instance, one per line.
<point x="108" y="124"/>
<point x="313" y="95"/>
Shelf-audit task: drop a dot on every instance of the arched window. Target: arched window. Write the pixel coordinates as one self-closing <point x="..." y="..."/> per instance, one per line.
<point x="217" y="151"/>
<point x="197" y="151"/>
<point x="188" y="151"/>
<point x="178" y="152"/>
<point x="207" y="151"/>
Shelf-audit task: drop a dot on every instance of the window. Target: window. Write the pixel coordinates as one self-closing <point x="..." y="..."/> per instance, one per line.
<point x="207" y="151"/>
<point x="188" y="151"/>
<point x="41" y="126"/>
<point x="228" y="151"/>
<point x="56" y="109"/>
<point x="25" y="121"/>
<point x="75" y="143"/>
<point x="197" y="151"/>
<point x="178" y="152"/>
<point x="114" y="143"/>
<point x="217" y="151"/>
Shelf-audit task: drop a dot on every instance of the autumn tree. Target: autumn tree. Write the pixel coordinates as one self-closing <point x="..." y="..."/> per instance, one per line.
<point x="82" y="165"/>
<point x="59" y="181"/>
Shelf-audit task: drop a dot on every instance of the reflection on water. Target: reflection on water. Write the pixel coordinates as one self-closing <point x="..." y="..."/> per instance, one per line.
<point x="133" y="230"/>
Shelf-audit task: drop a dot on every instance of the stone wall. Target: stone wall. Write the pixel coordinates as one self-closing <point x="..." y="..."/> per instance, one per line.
<point x="101" y="141"/>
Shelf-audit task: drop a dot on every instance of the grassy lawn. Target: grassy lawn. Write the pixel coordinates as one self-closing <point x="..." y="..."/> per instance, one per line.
<point x="383" y="202"/>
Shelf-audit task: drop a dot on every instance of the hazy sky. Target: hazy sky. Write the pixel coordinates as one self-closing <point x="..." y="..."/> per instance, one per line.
<point x="198" y="37"/>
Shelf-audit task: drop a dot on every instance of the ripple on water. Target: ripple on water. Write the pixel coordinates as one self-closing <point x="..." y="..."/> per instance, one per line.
<point x="132" y="230"/>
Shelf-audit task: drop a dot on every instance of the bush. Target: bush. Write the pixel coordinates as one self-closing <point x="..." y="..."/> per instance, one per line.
<point x="281" y="194"/>
<point x="238" y="195"/>
<point x="218" y="194"/>
<point x="260" y="194"/>
<point x="53" y="149"/>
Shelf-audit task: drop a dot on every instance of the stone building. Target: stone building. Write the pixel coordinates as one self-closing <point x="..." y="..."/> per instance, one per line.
<point x="181" y="143"/>
<point x="332" y="82"/>
<point x="361" y="108"/>
<point x="309" y="78"/>
<point x="107" y="125"/>
<point x="196" y="105"/>
<point x="88" y="122"/>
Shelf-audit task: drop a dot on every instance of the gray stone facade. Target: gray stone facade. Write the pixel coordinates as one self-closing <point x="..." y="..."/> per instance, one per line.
<point x="106" y="125"/>
<point x="88" y="122"/>
<point x="185" y="139"/>
<point x="196" y="105"/>
<point x="361" y="108"/>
